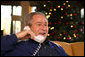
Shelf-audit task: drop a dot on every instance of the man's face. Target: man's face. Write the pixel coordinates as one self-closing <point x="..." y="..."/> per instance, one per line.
<point x="39" y="25"/>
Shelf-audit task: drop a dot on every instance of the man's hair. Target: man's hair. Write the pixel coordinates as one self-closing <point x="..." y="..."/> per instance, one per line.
<point x="28" y="18"/>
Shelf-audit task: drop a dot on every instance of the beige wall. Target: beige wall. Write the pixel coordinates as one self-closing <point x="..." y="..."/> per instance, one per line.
<point x="26" y="8"/>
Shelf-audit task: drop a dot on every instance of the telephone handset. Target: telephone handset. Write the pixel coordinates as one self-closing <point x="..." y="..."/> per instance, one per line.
<point x="38" y="38"/>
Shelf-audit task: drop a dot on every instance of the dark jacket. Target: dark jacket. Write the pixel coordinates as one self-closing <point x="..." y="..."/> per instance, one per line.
<point x="11" y="47"/>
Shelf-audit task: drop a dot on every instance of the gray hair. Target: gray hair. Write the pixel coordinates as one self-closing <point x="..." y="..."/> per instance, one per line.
<point x="28" y="18"/>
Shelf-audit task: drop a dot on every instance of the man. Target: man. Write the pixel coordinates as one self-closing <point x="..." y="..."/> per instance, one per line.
<point x="38" y="24"/>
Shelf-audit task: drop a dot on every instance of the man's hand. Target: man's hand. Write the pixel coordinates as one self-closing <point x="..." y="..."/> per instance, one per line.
<point x="22" y="35"/>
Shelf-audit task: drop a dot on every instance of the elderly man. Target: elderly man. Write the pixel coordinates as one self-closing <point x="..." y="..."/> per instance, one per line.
<point x="35" y="44"/>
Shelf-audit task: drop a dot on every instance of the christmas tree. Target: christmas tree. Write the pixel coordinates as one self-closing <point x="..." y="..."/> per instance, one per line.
<point x="65" y="22"/>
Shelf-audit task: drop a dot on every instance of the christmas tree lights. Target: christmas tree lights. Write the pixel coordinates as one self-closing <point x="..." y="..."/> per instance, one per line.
<point x="65" y="23"/>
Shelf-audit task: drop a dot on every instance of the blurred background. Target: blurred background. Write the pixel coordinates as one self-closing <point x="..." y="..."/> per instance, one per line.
<point x="66" y="18"/>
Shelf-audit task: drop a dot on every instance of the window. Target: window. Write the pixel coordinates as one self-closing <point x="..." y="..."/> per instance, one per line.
<point x="82" y="13"/>
<point x="16" y="26"/>
<point x="17" y="10"/>
<point x="34" y="9"/>
<point x="6" y="18"/>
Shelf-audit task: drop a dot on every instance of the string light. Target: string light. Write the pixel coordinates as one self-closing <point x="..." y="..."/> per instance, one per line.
<point x="64" y="38"/>
<point x="61" y="17"/>
<point x="60" y="34"/>
<point x="69" y="37"/>
<point x="50" y="9"/>
<point x="58" y="6"/>
<point x="68" y="5"/>
<point x="46" y="13"/>
<point x="52" y="28"/>
<point x="49" y="12"/>
<point x="70" y="14"/>
<point x="44" y="5"/>
<point x="71" y="26"/>
<point x="47" y="16"/>
<point x="74" y="35"/>
<point x="61" y="8"/>
<point x="48" y="34"/>
<point x="66" y="1"/>
<point x="54" y="9"/>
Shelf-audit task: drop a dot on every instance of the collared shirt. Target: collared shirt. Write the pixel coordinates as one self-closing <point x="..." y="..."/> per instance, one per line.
<point x="11" y="47"/>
